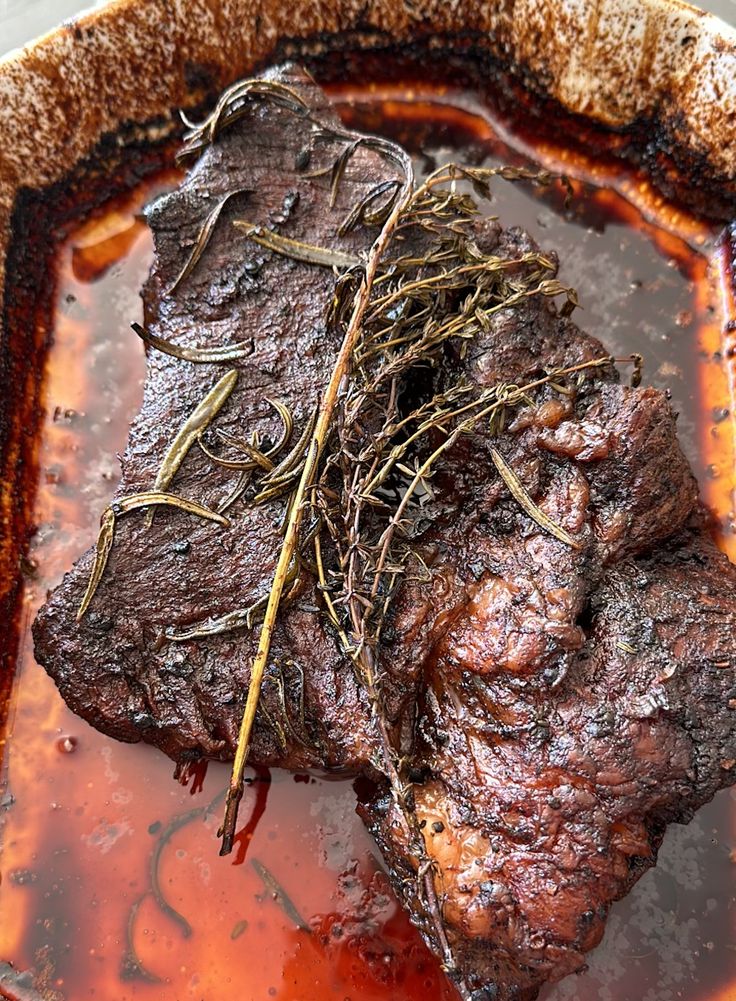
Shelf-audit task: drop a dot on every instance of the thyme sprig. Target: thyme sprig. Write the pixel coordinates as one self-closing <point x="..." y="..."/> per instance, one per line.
<point x="323" y="427"/>
<point x="449" y="294"/>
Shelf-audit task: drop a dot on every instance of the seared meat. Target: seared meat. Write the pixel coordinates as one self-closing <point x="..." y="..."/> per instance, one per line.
<point x="114" y="668"/>
<point x="559" y="704"/>
<point x="547" y="798"/>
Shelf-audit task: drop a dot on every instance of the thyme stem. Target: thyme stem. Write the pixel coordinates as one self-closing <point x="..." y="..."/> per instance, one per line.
<point x="291" y="535"/>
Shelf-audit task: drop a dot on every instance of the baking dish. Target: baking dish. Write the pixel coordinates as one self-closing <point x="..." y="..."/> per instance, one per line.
<point x="650" y="84"/>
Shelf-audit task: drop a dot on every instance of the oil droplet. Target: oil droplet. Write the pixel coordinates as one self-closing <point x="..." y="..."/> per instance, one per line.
<point x="66" y="745"/>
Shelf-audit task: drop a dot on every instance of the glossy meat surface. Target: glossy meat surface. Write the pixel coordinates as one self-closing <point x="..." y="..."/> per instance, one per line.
<point x="547" y="797"/>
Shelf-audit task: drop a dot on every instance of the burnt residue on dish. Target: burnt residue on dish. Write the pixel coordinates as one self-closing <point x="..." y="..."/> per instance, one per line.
<point x="514" y="92"/>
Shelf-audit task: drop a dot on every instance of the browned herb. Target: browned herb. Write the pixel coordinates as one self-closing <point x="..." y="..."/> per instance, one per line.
<point x="233" y="104"/>
<point x="264" y="460"/>
<point x="279" y="895"/>
<point x="236" y="492"/>
<point x="203" y="238"/>
<point x="258" y="459"/>
<point x="338" y="168"/>
<point x="521" y="495"/>
<point x="132" y="966"/>
<point x="104" y="545"/>
<point x="373" y="209"/>
<point x="280" y="683"/>
<point x="283" y="476"/>
<point x="162" y="841"/>
<point x="291" y="535"/>
<point x="157" y="498"/>
<point x="626" y="647"/>
<point x="200" y="356"/>
<point x="241" y="618"/>
<point x="199" y="419"/>
<point x="296" y="249"/>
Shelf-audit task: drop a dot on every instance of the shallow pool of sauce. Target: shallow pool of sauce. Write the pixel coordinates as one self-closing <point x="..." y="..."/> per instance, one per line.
<point x="111" y="885"/>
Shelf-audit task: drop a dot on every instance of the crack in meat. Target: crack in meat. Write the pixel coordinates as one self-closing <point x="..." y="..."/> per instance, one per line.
<point x="560" y="705"/>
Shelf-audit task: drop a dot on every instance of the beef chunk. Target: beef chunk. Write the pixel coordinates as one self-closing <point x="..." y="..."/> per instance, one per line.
<point x="544" y="804"/>
<point x="125" y="678"/>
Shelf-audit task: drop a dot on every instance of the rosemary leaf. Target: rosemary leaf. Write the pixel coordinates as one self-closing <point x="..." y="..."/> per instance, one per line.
<point x="288" y="421"/>
<point x="104" y="545"/>
<point x="154" y="498"/>
<point x="626" y="647"/>
<point x="288" y="466"/>
<point x="361" y="212"/>
<point x="232" y="105"/>
<point x="338" y="168"/>
<point x="520" y="494"/>
<point x="240" y="464"/>
<point x="132" y="967"/>
<point x="240" y="618"/>
<point x="202" y="415"/>
<point x="156" y="889"/>
<point x="200" y="356"/>
<point x="295" y="249"/>
<point x="279" y="895"/>
<point x="203" y="238"/>
<point x="236" y="493"/>
<point x="263" y="459"/>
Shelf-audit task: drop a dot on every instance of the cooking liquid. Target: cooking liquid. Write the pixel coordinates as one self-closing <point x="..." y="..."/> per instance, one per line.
<point x="111" y="884"/>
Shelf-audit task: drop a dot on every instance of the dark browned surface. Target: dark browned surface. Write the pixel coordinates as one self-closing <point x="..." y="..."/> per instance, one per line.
<point x="190" y="704"/>
<point x="653" y="142"/>
<point x="547" y="797"/>
<point x="552" y="757"/>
